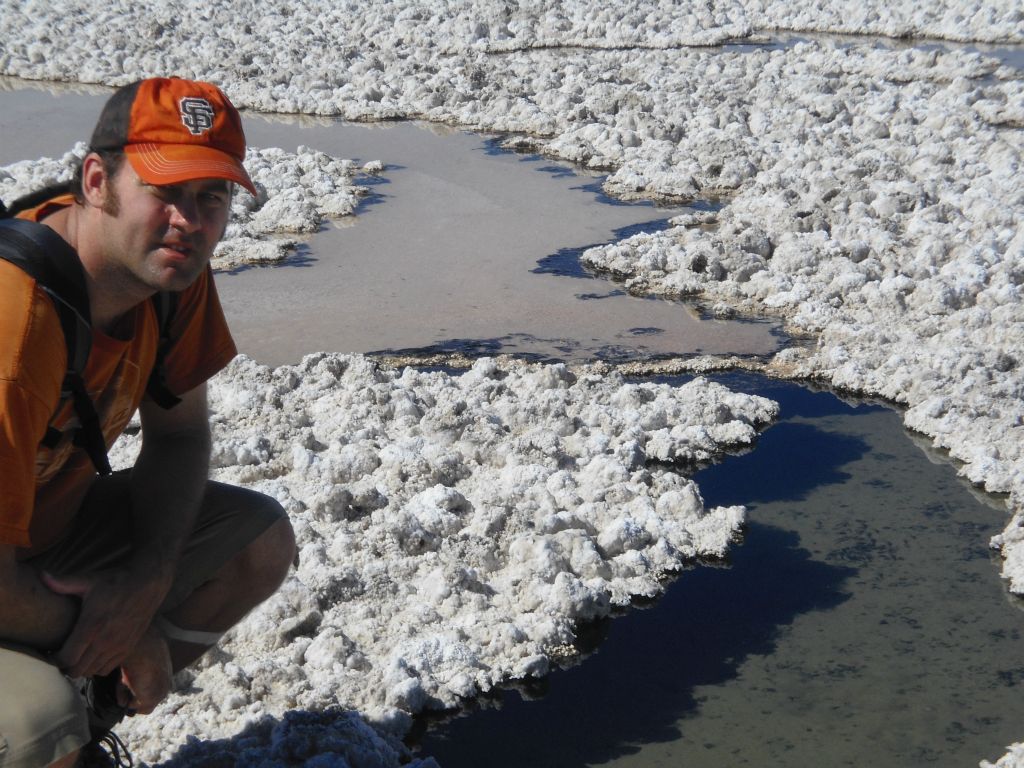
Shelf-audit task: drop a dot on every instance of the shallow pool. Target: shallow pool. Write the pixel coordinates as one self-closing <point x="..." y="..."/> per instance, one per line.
<point x="862" y="621"/>
<point x="464" y="249"/>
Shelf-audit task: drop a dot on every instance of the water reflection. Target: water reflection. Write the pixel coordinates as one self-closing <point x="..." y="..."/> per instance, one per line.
<point x="861" y="622"/>
<point x="644" y="677"/>
<point x="471" y="254"/>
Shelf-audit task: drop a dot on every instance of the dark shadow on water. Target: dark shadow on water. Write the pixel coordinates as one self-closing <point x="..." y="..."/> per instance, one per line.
<point x="468" y="347"/>
<point x="373" y="180"/>
<point x="596" y="188"/>
<point x="536" y="349"/>
<point x="557" y="171"/>
<point x="790" y="460"/>
<point x="597" y="296"/>
<point x="301" y="256"/>
<point x="640" y="682"/>
<point x="795" y="400"/>
<point x="492" y="146"/>
<point x="388" y="167"/>
<point x="566" y="261"/>
<point x="371" y="201"/>
<point x="523" y="346"/>
<point x="647" y="331"/>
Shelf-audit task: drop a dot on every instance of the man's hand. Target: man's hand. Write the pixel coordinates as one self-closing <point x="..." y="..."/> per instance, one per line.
<point x="117" y="608"/>
<point x="145" y="674"/>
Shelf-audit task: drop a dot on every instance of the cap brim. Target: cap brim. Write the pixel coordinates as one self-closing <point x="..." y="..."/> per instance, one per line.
<point x="176" y="163"/>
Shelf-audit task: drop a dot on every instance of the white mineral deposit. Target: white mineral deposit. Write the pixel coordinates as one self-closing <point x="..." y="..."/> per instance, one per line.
<point x="454" y="527"/>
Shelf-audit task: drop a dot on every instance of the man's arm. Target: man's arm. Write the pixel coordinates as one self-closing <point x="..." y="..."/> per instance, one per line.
<point x="168" y="482"/>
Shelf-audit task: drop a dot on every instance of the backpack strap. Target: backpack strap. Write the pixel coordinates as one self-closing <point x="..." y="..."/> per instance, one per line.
<point x="165" y="304"/>
<point x="53" y="263"/>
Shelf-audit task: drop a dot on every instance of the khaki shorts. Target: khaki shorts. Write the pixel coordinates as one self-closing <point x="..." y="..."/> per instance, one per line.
<point x="42" y="717"/>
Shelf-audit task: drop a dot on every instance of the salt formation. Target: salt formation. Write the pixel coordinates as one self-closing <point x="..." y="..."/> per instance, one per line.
<point x="452" y="529"/>
<point x="874" y="191"/>
<point x="1014" y="758"/>
<point x="332" y="738"/>
<point x="297" y="193"/>
<point x="889" y="231"/>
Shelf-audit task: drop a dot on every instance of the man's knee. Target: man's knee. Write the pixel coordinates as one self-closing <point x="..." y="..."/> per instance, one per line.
<point x="278" y="552"/>
<point x="264" y="563"/>
<point x="46" y="724"/>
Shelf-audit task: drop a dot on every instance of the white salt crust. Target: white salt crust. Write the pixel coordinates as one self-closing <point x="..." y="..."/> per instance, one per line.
<point x="452" y="529"/>
<point x="874" y="194"/>
<point x="1014" y="758"/>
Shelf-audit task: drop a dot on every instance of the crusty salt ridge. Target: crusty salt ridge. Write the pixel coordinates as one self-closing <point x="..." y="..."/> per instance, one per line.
<point x="1014" y="758"/>
<point x="365" y="58"/>
<point x="452" y="529"/>
<point x="892" y="232"/>
<point x="331" y="738"/>
<point x="926" y="240"/>
<point x="297" y="193"/>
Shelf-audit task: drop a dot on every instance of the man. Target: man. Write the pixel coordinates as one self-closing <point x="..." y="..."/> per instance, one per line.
<point x="109" y="584"/>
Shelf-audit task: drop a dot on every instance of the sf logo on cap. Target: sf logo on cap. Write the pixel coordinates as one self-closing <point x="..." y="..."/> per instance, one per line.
<point x="196" y="114"/>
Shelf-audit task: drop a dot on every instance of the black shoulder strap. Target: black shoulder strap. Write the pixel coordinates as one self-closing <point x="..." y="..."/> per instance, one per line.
<point x="53" y="263"/>
<point x="164" y="303"/>
<point x="48" y="258"/>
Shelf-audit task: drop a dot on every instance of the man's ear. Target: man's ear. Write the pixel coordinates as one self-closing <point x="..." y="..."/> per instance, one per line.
<point x="94" y="180"/>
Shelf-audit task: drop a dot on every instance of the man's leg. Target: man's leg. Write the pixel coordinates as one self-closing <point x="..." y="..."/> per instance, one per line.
<point x="42" y="716"/>
<point x="236" y="557"/>
<point x="247" y="578"/>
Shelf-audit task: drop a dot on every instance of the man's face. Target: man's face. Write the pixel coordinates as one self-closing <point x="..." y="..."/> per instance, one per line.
<point x="160" y="238"/>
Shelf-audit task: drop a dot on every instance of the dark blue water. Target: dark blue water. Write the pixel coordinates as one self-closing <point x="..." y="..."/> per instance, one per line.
<point x="861" y="622"/>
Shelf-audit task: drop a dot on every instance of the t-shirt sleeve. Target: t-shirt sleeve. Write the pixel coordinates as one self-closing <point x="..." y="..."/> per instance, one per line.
<point x="202" y="343"/>
<point x="32" y="358"/>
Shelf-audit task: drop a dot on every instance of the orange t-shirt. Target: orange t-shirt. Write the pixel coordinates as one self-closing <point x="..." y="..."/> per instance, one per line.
<point x="42" y="488"/>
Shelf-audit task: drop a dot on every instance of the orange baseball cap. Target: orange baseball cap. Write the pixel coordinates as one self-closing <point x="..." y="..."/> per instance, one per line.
<point x="174" y="130"/>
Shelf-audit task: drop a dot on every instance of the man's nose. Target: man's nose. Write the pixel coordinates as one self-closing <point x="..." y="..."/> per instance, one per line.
<point x="185" y="214"/>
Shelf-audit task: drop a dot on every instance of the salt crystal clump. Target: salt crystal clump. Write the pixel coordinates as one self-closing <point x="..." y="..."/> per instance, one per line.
<point x="334" y="737"/>
<point x="1014" y="758"/>
<point x="21" y="178"/>
<point x="452" y="530"/>
<point x="902" y="261"/>
<point x="423" y="57"/>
